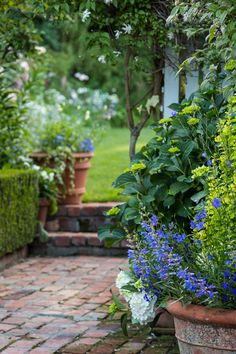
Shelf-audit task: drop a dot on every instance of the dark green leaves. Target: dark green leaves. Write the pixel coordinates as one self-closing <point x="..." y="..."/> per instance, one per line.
<point x="178" y="187"/>
<point x="124" y="179"/>
<point x="111" y="235"/>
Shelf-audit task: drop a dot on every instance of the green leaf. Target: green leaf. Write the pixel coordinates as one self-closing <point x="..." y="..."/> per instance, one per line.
<point x="148" y="199"/>
<point x="104" y="232"/>
<point x="168" y="201"/>
<point x="131" y="213"/>
<point x="178" y="187"/>
<point x="124" y="179"/>
<point x="43" y="235"/>
<point x="175" y="107"/>
<point x="198" y="196"/>
<point x="111" y="235"/>
<point x="183" y="178"/>
<point x="117" y="302"/>
<point x="129" y="287"/>
<point x="187" y="148"/>
<point x="124" y="322"/>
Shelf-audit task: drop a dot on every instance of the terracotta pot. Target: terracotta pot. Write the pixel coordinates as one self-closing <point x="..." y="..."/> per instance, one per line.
<point x="202" y="330"/>
<point x="74" y="190"/>
<point x="43" y="210"/>
<point x="165" y="319"/>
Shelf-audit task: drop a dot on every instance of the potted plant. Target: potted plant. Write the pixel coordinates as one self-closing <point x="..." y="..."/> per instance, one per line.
<point x="59" y="136"/>
<point x="48" y="193"/>
<point x="61" y="149"/>
<point x="193" y="276"/>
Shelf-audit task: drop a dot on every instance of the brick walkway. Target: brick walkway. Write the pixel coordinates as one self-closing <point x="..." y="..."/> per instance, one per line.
<point x="59" y="305"/>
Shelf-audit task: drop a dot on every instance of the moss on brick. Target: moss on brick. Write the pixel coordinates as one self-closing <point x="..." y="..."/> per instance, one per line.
<point x="18" y="209"/>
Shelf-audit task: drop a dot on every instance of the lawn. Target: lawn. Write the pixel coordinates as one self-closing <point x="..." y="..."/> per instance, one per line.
<point x="110" y="160"/>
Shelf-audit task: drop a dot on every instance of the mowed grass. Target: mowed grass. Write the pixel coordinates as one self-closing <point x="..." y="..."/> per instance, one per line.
<point x="110" y="160"/>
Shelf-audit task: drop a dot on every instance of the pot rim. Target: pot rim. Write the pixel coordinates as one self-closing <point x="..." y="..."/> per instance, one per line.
<point x="41" y="154"/>
<point x="203" y="314"/>
<point x="43" y="201"/>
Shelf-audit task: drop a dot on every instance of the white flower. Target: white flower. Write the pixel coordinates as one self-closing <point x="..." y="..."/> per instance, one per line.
<point x="24" y="65"/>
<point x="102" y="59"/>
<point x="170" y="35"/>
<point x="35" y="168"/>
<point x="126" y="28"/>
<point x="44" y="174"/>
<point x="116" y="53"/>
<point x="142" y="311"/>
<point x="82" y="90"/>
<point x="12" y="96"/>
<point x="1" y="69"/>
<point x="108" y="2"/>
<point x="81" y="77"/>
<point x="117" y="34"/>
<point x="51" y="176"/>
<point x="40" y="49"/>
<point x="74" y="95"/>
<point x="85" y="15"/>
<point x="123" y="278"/>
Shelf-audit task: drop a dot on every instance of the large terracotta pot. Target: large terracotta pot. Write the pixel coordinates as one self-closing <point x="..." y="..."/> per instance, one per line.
<point x="75" y="189"/>
<point x="202" y="330"/>
<point x="43" y="210"/>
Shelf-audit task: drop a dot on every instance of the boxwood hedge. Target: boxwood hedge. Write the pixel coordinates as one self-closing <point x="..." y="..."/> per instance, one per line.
<point x="18" y="209"/>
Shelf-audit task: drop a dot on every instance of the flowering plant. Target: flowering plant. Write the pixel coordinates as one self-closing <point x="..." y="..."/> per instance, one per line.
<point x="200" y="267"/>
<point x="47" y="186"/>
<point x="55" y="123"/>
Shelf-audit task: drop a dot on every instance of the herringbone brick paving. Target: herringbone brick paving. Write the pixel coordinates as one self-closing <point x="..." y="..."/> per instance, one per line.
<point x="59" y="305"/>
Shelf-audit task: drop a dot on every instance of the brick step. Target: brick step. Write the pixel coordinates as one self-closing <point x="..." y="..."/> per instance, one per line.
<point x="86" y="217"/>
<point x="75" y="243"/>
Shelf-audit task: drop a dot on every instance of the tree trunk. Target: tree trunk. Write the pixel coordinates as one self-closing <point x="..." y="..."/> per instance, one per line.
<point x="134" y="134"/>
<point x="155" y="89"/>
<point x="157" y="86"/>
<point x="128" y="104"/>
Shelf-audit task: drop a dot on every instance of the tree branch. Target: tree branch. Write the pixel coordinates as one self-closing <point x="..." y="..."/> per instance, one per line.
<point x="142" y="98"/>
<point x="143" y="121"/>
<point x="128" y="90"/>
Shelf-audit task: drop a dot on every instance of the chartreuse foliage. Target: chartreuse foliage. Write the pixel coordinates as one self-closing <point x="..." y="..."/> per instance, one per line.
<point x="18" y="209"/>
<point x="219" y="227"/>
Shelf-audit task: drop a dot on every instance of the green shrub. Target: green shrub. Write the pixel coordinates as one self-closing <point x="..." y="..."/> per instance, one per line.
<point x="160" y="179"/>
<point x="18" y="209"/>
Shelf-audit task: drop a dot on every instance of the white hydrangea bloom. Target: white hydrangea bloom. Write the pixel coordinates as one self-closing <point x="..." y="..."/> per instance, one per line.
<point x="85" y="15"/>
<point x="126" y="28"/>
<point x="123" y="279"/>
<point x="142" y="311"/>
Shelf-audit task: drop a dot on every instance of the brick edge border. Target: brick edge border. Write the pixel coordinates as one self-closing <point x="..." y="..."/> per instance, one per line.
<point x="13" y="258"/>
